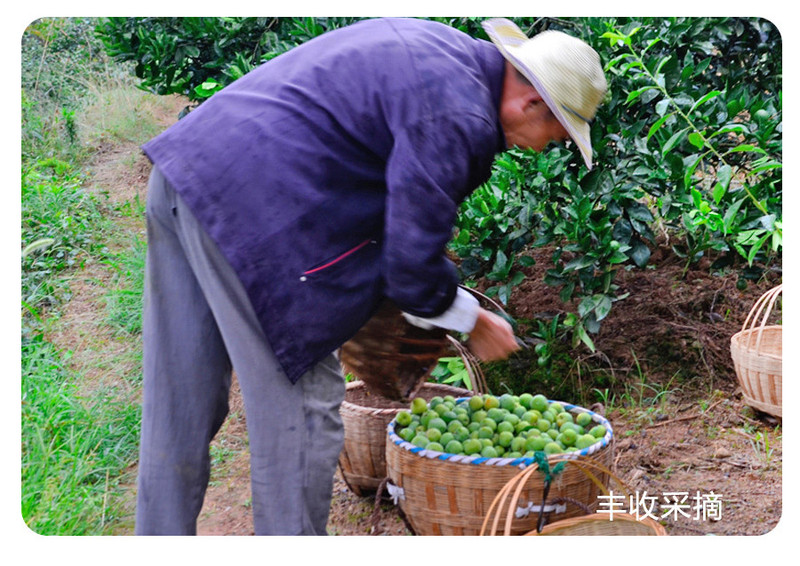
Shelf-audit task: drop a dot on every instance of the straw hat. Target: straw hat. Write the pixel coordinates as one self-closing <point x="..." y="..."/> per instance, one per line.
<point x="564" y="70"/>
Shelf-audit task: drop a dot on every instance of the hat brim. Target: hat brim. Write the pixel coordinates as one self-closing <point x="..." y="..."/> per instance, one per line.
<point x="509" y="39"/>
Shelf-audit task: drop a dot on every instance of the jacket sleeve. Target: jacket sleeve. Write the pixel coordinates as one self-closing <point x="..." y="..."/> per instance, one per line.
<point x="434" y="164"/>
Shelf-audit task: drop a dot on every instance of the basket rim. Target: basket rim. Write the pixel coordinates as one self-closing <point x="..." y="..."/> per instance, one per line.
<point x="477" y="459"/>
<point x="748" y="331"/>
<point x="566" y="523"/>
<point x="743" y="342"/>
<point x="359" y="384"/>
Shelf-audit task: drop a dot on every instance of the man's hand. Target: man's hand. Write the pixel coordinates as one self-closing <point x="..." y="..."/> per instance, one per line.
<point x="492" y="338"/>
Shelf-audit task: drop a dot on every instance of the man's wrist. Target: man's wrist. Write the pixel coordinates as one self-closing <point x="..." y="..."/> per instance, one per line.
<point x="460" y="316"/>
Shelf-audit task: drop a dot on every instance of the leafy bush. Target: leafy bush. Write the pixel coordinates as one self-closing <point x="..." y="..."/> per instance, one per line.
<point x="496" y="223"/>
<point x="196" y="57"/>
<point x="688" y="142"/>
<point x="710" y="153"/>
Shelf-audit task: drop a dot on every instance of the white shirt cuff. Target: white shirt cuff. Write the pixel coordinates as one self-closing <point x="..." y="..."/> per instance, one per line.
<point x="461" y="315"/>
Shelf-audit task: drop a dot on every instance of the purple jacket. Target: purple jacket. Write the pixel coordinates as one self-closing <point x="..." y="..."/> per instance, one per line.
<point x="330" y="176"/>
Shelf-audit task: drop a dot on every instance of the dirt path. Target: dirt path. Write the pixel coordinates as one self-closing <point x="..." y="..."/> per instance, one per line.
<point x="687" y="444"/>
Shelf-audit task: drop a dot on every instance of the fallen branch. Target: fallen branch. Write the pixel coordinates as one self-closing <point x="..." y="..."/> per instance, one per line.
<point x="686" y="418"/>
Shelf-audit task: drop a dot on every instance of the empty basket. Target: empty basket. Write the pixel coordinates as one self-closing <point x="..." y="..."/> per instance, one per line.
<point x="757" y="352"/>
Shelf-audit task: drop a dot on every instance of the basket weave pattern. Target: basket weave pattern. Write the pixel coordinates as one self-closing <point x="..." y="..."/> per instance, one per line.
<point x="600" y="525"/>
<point x="445" y="494"/>
<point x="757" y="352"/>
<point x="365" y="416"/>
<point x="501" y="512"/>
<point x="392" y="356"/>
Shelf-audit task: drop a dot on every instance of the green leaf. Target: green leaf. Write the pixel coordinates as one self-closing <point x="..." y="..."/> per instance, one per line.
<point x="503" y="294"/>
<point x="661" y="64"/>
<point x="463" y="237"/>
<point x="651" y="44"/>
<point x="638" y="211"/>
<point x="619" y="58"/>
<point x="637" y="93"/>
<point x="614" y="37"/>
<point x="655" y="127"/>
<point x="618" y="257"/>
<point x="703" y="100"/>
<point x="439" y="372"/>
<point x="696" y="140"/>
<point x="673" y="141"/>
<point x="500" y="263"/>
<point x="768" y="222"/>
<point x="586" y="306"/>
<point x="730" y="215"/>
<point x="579" y="263"/>
<point x="455" y="364"/>
<point x="767" y="167"/>
<point x="640" y="254"/>
<point x="777" y="240"/>
<point x="724" y="174"/>
<point x="566" y="292"/>
<point x="746" y="147"/>
<point x="585" y="338"/>
<point x="603" y="307"/>
<point x="697" y="198"/>
<point x="755" y="248"/>
<point x="731" y="129"/>
<point x="687" y="176"/>
<point x="718" y="192"/>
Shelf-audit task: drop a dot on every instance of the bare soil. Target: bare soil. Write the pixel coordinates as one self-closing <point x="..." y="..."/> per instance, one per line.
<point x="699" y="437"/>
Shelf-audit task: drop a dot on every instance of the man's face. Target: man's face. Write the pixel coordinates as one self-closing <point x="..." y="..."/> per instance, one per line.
<point x="531" y="125"/>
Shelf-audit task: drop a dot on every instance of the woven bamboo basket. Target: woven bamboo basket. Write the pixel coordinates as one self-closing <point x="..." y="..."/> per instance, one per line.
<point x="392" y="356"/>
<point x="447" y="494"/>
<point x="365" y="415"/>
<point x="757" y="352"/>
<point x="502" y="509"/>
<point x="600" y="525"/>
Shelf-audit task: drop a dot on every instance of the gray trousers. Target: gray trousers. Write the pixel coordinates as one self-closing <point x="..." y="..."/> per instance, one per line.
<point x="198" y="326"/>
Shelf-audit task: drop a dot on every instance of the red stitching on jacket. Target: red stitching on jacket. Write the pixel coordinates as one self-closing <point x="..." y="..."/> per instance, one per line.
<point x="338" y="259"/>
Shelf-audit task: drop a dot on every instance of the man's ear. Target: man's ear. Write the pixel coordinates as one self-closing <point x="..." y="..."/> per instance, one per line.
<point x="532" y="96"/>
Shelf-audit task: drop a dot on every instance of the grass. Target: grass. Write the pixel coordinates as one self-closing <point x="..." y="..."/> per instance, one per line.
<point x="62" y="227"/>
<point x="79" y="437"/>
<point x="74" y="451"/>
<point x="119" y="112"/>
<point x="763" y="447"/>
<point x="124" y="300"/>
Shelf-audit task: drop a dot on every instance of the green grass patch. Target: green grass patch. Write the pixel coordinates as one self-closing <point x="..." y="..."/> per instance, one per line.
<point x="125" y="300"/>
<point x="79" y="437"/>
<point x="62" y="227"/>
<point x="75" y="451"/>
<point x="120" y="112"/>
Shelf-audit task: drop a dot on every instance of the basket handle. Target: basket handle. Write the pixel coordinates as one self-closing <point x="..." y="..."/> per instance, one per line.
<point x="517" y="484"/>
<point x="486" y="299"/>
<point x="766" y="300"/>
<point x="476" y="377"/>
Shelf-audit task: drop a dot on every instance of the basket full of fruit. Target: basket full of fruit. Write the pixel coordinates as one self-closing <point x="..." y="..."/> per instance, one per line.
<point x="448" y="459"/>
